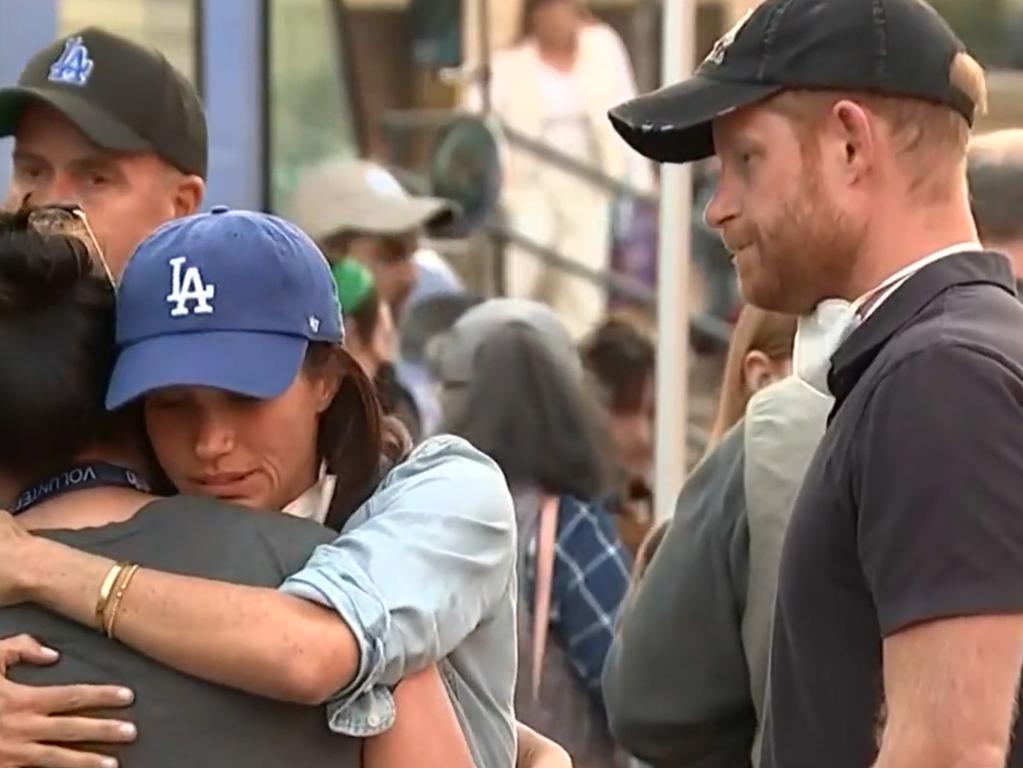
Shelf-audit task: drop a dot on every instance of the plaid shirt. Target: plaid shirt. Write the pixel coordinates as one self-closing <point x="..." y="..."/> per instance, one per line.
<point x="591" y="576"/>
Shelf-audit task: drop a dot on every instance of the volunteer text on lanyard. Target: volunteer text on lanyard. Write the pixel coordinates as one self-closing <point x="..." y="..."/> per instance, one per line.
<point x="80" y="477"/>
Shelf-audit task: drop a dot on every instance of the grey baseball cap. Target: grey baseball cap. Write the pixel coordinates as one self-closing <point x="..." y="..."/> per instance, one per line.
<point x="356" y="196"/>
<point x="452" y="355"/>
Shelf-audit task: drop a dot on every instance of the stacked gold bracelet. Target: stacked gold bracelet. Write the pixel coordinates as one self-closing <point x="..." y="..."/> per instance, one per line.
<point x="111" y="594"/>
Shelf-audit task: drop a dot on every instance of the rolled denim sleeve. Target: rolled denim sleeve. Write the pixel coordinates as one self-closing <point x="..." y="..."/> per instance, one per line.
<point x="417" y="568"/>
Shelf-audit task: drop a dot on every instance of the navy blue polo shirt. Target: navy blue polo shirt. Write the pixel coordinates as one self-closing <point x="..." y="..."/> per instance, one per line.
<point x="911" y="511"/>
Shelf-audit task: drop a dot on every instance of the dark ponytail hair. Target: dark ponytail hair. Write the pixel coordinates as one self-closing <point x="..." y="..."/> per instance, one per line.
<point x="356" y="440"/>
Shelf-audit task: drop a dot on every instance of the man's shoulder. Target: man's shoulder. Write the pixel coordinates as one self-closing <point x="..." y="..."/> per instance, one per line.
<point x="932" y="364"/>
<point x="953" y="376"/>
<point x="967" y="324"/>
<point x="238" y="544"/>
<point x="207" y="514"/>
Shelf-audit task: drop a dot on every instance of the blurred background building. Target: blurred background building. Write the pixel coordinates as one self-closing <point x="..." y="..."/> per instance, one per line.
<point x="367" y="57"/>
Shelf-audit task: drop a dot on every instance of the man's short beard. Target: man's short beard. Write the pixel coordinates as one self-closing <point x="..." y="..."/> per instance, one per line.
<point x="811" y="247"/>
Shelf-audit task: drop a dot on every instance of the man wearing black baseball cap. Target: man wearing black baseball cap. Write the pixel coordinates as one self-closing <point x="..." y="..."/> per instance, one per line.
<point x="110" y="125"/>
<point x="841" y="127"/>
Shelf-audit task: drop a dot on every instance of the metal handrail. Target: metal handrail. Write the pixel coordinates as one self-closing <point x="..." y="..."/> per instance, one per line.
<point x="711" y="327"/>
<point x="439" y="118"/>
<point x="575" y="166"/>
<point x="705" y="324"/>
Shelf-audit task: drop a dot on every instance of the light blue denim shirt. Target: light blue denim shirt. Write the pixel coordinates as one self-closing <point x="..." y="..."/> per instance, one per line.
<point x="424" y="572"/>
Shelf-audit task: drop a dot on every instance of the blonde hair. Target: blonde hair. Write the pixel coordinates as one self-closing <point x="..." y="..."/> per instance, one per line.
<point x="926" y="135"/>
<point x="772" y="333"/>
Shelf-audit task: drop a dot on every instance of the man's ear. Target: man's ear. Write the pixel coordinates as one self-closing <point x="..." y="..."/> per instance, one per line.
<point x="188" y="194"/>
<point x="850" y="124"/>
<point x="757" y="370"/>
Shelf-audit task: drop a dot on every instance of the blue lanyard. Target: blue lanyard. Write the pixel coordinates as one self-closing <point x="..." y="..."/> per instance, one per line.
<point x="98" y="474"/>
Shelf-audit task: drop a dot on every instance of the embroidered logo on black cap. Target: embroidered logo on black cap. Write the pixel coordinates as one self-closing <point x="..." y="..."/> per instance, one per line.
<point x="73" y="67"/>
<point x="717" y="53"/>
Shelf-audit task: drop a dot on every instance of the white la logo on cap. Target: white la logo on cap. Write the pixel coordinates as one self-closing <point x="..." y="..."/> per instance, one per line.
<point x="73" y="67"/>
<point x="189" y="288"/>
<point x="717" y="53"/>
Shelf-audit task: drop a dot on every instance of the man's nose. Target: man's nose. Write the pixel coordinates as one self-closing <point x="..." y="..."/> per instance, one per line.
<point x="720" y="209"/>
<point x="59" y="190"/>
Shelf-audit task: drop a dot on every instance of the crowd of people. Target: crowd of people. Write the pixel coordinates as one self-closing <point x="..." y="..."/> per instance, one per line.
<point x="284" y="491"/>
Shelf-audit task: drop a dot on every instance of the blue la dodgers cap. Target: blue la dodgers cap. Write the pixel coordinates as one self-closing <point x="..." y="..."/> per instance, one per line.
<point x="225" y="299"/>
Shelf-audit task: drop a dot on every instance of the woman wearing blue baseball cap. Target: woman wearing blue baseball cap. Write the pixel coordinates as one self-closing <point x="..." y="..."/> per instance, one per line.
<point x="76" y="474"/>
<point x="230" y="334"/>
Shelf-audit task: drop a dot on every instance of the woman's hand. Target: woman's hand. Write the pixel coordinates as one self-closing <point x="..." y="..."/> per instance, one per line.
<point x="16" y="544"/>
<point x="37" y="725"/>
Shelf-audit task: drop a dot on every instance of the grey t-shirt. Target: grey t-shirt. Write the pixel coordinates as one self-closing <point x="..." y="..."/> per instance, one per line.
<point x="183" y="720"/>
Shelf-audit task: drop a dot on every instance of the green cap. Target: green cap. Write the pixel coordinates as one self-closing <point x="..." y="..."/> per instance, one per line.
<point x="354" y="282"/>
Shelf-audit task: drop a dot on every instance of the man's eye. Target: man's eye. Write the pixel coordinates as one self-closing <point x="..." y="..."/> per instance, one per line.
<point x="29" y="171"/>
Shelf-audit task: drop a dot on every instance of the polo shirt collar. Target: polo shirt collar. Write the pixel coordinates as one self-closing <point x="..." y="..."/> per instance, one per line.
<point x="864" y="344"/>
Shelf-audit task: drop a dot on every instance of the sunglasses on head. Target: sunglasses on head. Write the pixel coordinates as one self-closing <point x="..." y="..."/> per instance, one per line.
<point x="70" y="221"/>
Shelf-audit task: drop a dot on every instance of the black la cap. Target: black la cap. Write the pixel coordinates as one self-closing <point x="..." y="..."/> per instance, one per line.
<point x="891" y="47"/>
<point x="123" y="96"/>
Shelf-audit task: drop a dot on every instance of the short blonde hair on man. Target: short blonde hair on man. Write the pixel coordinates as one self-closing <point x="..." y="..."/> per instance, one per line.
<point x="927" y="136"/>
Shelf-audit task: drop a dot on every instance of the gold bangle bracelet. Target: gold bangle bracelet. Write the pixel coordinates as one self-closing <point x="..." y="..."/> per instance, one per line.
<point x="115" y="605"/>
<point x="106" y="590"/>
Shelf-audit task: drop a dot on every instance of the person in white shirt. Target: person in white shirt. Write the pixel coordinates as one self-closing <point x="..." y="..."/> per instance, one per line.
<point x="555" y="86"/>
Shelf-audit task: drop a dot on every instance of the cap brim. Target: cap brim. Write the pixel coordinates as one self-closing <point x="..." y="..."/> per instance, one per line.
<point x="99" y="126"/>
<point x="260" y="365"/>
<point x="395" y="217"/>
<point x="673" y="124"/>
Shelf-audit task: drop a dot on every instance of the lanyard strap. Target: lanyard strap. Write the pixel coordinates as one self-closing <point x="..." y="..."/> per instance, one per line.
<point x="79" y="477"/>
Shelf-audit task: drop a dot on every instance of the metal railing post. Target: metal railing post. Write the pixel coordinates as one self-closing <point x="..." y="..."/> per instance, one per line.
<point x="673" y="280"/>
